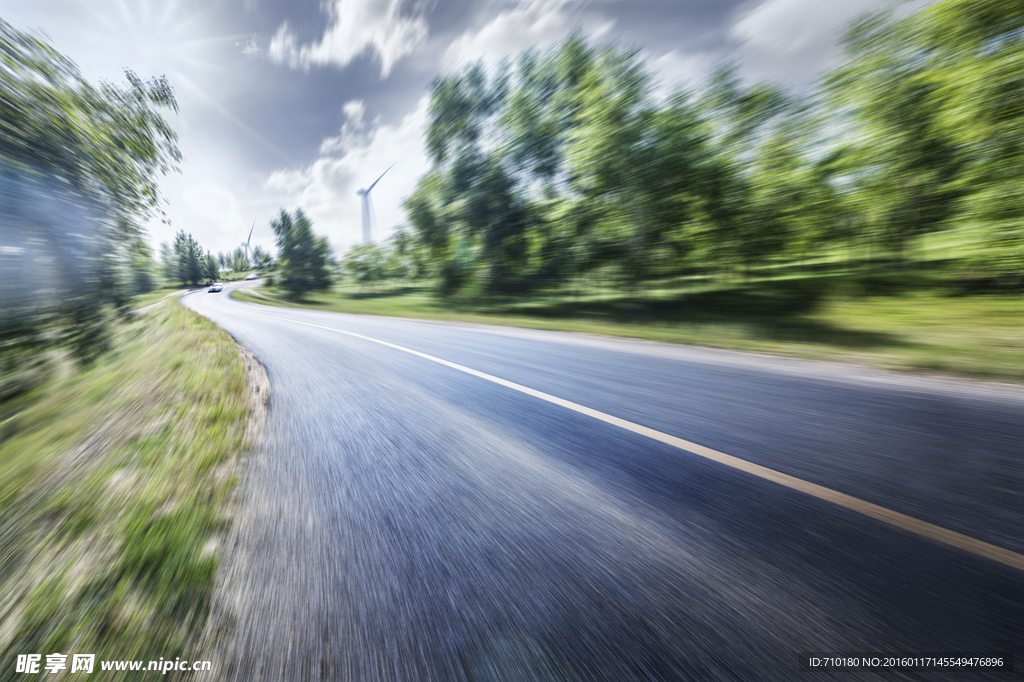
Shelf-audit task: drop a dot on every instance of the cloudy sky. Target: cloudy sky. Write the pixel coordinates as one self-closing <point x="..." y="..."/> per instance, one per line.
<point x="288" y="103"/>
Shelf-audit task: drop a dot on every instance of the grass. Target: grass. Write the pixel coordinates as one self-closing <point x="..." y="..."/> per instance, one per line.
<point x="913" y="320"/>
<point x="113" y="481"/>
<point x="155" y="296"/>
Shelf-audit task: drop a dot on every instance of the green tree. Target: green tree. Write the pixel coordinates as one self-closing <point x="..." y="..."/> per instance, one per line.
<point x="565" y="163"/>
<point x="189" y="260"/>
<point x="562" y="126"/>
<point x="739" y="117"/>
<point x="409" y="255"/>
<point x="366" y="263"/>
<point x="81" y="165"/>
<point x="238" y="260"/>
<point x="167" y="265"/>
<point x="674" y="166"/>
<point x="141" y="269"/>
<point x="303" y="257"/>
<point x="484" y="216"/>
<point x="605" y="155"/>
<point x="109" y="142"/>
<point x="432" y="229"/>
<point x="261" y="260"/>
<point x="209" y="268"/>
<point x="976" y="50"/>
<point x="905" y="162"/>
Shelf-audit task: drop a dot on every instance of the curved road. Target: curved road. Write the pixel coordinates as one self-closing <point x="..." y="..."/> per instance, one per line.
<point x="438" y="501"/>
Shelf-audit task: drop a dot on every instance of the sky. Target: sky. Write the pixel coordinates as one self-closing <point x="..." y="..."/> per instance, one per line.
<point x="300" y="103"/>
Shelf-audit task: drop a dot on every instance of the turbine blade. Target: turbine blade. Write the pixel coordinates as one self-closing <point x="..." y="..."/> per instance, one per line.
<point x="378" y="179"/>
<point x="250" y="233"/>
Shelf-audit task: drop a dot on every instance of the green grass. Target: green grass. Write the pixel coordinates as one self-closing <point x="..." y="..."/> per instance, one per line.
<point x="162" y="294"/>
<point x="113" y="481"/>
<point x="913" y="320"/>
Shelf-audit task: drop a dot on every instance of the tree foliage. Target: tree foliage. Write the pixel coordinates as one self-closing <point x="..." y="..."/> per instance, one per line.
<point x="79" y="171"/>
<point x="107" y="142"/>
<point x="366" y="263"/>
<point x="190" y="263"/>
<point x="566" y="163"/>
<point x="261" y="259"/>
<point x="561" y="163"/>
<point x="303" y="257"/>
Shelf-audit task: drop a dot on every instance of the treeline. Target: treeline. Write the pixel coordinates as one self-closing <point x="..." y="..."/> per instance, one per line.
<point x="186" y="263"/>
<point x="567" y="162"/>
<point x="79" y="172"/>
<point x="303" y="262"/>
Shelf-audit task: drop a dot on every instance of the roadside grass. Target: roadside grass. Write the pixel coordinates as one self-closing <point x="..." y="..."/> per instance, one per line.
<point x="155" y="296"/>
<point x="113" y="481"/>
<point x="917" y="319"/>
<point x="27" y="361"/>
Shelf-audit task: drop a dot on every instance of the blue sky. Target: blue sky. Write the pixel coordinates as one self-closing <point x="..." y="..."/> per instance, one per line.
<point x="301" y="103"/>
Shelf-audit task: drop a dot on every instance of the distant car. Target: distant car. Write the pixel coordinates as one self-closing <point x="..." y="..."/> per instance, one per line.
<point x="215" y="288"/>
<point x="252" y="276"/>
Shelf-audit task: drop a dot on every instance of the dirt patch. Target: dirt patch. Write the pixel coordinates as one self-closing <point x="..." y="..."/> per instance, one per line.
<point x="220" y="620"/>
<point x="259" y="396"/>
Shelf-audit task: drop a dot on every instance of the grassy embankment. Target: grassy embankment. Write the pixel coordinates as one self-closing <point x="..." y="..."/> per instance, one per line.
<point x="915" y="318"/>
<point x="113" y="481"/>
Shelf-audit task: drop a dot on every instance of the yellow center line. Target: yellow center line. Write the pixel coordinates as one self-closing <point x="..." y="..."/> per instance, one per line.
<point x="879" y="513"/>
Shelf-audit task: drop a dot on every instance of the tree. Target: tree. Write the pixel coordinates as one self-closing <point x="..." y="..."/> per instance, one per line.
<point x="302" y="255"/>
<point x="238" y="260"/>
<point x="977" y="60"/>
<point x="905" y="161"/>
<point x="605" y="150"/>
<point x="484" y="213"/>
<point x="261" y="260"/>
<point x="739" y="120"/>
<point x="431" y="227"/>
<point x="562" y="161"/>
<point x="141" y="268"/>
<point x="410" y="253"/>
<point x="564" y="125"/>
<point x="366" y="263"/>
<point x="565" y="163"/>
<point x="109" y="143"/>
<point x="209" y="268"/>
<point x="189" y="260"/>
<point x="81" y="165"/>
<point x="168" y="268"/>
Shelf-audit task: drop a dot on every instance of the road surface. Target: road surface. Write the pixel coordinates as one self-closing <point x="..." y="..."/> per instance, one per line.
<point x="440" y="501"/>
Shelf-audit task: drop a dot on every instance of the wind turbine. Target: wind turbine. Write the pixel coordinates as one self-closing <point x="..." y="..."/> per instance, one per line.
<point x="368" y="208"/>
<point x="245" y="244"/>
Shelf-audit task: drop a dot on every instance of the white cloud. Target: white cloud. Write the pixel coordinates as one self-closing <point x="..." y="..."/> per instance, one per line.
<point x="538" y="23"/>
<point x="288" y="180"/>
<point x="250" y="46"/>
<point x="326" y="189"/>
<point x="212" y="210"/>
<point x="676" y="69"/>
<point x="795" y="35"/>
<point x="283" y="47"/>
<point x="353" y="130"/>
<point x="356" y="27"/>
<point x="354" y="111"/>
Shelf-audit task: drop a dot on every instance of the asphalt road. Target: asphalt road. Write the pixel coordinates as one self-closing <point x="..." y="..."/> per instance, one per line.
<point x="403" y="519"/>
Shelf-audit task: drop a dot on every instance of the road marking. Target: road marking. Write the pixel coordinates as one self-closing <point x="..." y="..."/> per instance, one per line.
<point x="879" y="513"/>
